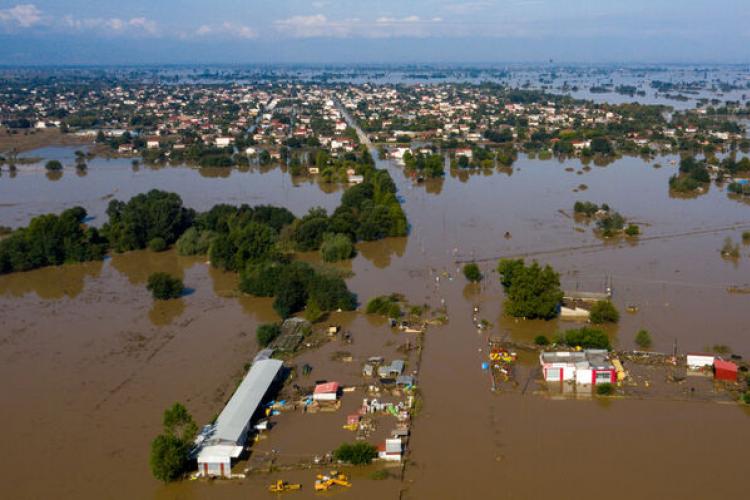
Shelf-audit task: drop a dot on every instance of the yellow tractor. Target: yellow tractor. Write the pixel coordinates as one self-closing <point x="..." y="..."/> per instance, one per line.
<point x="281" y="486"/>
<point x="324" y="483"/>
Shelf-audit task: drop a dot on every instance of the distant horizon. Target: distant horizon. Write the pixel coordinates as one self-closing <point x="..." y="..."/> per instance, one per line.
<point x="142" y="32"/>
<point x="466" y="64"/>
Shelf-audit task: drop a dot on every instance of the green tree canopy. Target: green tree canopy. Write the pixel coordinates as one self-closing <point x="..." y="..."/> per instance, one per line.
<point x="531" y="291"/>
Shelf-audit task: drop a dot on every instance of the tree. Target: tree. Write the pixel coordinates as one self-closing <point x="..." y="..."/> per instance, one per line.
<point x="632" y="230"/>
<point x="600" y="145"/>
<point x="51" y="240"/>
<point x="531" y="291"/>
<point x="291" y="297"/>
<point x="385" y="305"/>
<point x="170" y="451"/>
<point x="53" y="166"/>
<point x="179" y="423"/>
<point x="169" y="458"/>
<point x="267" y="333"/>
<point x="163" y="286"/>
<point x="336" y="247"/>
<point x="541" y="340"/>
<point x="157" y="244"/>
<point x="472" y="272"/>
<point x="194" y="242"/>
<point x="359" y="453"/>
<point x="586" y="337"/>
<point x="156" y="214"/>
<point x="604" y="311"/>
<point x="643" y="339"/>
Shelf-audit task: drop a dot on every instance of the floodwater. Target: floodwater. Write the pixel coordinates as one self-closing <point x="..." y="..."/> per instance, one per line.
<point x="32" y="192"/>
<point x="88" y="362"/>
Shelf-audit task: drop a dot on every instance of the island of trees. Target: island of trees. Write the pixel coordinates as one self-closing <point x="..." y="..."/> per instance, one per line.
<point x="609" y="223"/>
<point x="257" y="242"/>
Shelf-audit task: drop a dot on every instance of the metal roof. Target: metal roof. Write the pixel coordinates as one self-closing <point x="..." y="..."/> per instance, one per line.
<point x="235" y="416"/>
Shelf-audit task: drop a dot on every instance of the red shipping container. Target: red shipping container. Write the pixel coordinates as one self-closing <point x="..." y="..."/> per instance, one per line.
<point x="725" y="370"/>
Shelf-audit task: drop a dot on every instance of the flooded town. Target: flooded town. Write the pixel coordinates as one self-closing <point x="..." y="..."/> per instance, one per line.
<point x="374" y="280"/>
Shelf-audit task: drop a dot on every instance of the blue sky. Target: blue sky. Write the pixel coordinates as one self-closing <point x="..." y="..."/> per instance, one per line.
<point x="371" y="31"/>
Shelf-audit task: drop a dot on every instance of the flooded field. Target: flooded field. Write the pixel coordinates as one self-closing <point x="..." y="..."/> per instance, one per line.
<point x="88" y="362"/>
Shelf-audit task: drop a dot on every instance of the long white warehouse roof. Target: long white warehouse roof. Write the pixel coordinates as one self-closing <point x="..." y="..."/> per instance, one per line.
<point x="245" y="401"/>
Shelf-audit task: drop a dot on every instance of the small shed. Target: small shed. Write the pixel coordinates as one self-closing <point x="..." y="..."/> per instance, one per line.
<point x="326" y="392"/>
<point x="725" y="370"/>
<point x="391" y="450"/>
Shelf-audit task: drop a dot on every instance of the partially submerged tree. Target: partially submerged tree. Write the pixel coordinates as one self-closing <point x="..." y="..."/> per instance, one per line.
<point x="532" y="291"/>
<point x="267" y="333"/>
<point x="53" y="166"/>
<point x="604" y="311"/>
<point x="586" y="337"/>
<point x="643" y="339"/>
<point x="170" y="451"/>
<point x="164" y="286"/>
<point x="359" y="453"/>
<point x="472" y="272"/>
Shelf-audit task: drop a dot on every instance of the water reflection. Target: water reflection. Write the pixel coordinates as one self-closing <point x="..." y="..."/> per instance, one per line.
<point x="54" y="175"/>
<point x="215" y="172"/>
<point x="381" y="252"/>
<point x="51" y="282"/>
<point x="224" y="283"/>
<point x="164" y="312"/>
<point x="136" y="266"/>
<point x="434" y="186"/>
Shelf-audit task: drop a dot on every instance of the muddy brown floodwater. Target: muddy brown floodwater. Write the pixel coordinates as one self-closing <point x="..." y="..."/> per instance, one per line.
<point x="88" y="362"/>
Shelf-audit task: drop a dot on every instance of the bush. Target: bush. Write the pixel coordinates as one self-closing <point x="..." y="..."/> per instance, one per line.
<point x="359" y="453"/>
<point x="611" y="224"/>
<point x="385" y="305"/>
<point x="267" y="333"/>
<point x="605" y="389"/>
<point x="472" y="272"/>
<point x="380" y="474"/>
<point x="336" y="247"/>
<point x="643" y="339"/>
<point x="604" y="311"/>
<point x="532" y="291"/>
<point x="157" y="245"/>
<point x="632" y="230"/>
<point x="585" y="208"/>
<point x="541" y="340"/>
<point x="53" y="166"/>
<point x="746" y="236"/>
<point x="163" y="286"/>
<point x="591" y="338"/>
<point x="730" y="249"/>
<point x="194" y="242"/>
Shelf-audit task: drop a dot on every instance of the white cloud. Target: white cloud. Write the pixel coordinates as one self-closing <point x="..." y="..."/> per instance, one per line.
<point x="467" y="7"/>
<point x="111" y="25"/>
<point x="22" y="15"/>
<point x="316" y="25"/>
<point x="319" y="26"/>
<point x="226" y="29"/>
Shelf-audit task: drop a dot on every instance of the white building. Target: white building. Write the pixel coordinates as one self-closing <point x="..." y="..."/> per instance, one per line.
<point x="225" y="440"/>
<point x="591" y="366"/>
